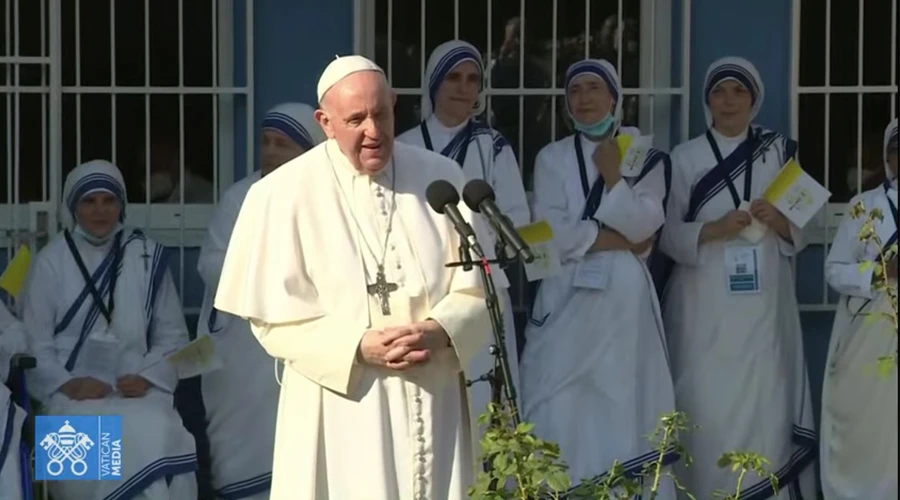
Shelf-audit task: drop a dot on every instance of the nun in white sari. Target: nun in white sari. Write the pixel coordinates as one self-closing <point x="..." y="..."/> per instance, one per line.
<point x="105" y="355"/>
<point x="241" y="398"/>
<point x="595" y="374"/>
<point x="454" y="98"/>
<point x="730" y="308"/>
<point x="12" y="342"/>
<point x="859" y="406"/>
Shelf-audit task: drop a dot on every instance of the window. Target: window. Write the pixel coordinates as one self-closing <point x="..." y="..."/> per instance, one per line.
<point x="844" y="93"/>
<point x="83" y="80"/>
<point x="527" y="46"/>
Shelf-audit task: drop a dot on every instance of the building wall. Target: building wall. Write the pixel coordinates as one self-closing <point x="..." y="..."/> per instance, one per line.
<point x="295" y="39"/>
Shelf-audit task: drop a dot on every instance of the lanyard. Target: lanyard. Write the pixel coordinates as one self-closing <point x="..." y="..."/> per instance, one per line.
<point x="748" y="172"/>
<point x="463" y="149"/>
<point x="592" y="194"/>
<point x="105" y="309"/>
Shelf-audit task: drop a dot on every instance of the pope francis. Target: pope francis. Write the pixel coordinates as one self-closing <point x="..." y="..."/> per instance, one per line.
<point x="338" y="264"/>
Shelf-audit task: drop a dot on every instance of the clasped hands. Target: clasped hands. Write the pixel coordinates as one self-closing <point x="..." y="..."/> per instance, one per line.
<point x="401" y="347"/>
<point x="731" y="224"/>
<point x="82" y="388"/>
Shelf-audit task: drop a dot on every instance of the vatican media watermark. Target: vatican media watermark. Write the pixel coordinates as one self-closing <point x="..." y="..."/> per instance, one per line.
<point x="78" y="447"/>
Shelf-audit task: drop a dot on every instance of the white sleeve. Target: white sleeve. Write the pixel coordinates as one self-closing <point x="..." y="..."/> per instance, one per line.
<point x="212" y="253"/>
<point x="842" y="267"/>
<point x="39" y="317"/>
<point x="506" y="179"/>
<point x="169" y="334"/>
<point x="681" y="240"/>
<point x="12" y="340"/>
<point x="572" y="236"/>
<point x="636" y="212"/>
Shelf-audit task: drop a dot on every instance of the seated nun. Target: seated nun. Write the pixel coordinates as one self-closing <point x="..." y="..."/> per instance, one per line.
<point x="730" y="309"/>
<point x="595" y="375"/>
<point x="102" y="312"/>
<point x="241" y="398"/>
<point x="859" y="405"/>
<point x="12" y="342"/>
<point x="455" y="76"/>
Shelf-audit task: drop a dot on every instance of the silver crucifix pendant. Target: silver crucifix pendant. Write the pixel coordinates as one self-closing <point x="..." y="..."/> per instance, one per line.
<point x="382" y="289"/>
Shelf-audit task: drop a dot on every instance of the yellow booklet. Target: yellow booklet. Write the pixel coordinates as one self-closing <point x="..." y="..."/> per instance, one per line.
<point x="796" y="194"/>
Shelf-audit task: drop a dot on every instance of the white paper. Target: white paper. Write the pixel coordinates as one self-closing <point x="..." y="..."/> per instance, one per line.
<point x="198" y="357"/>
<point x="593" y="272"/>
<point x="539" y="237"/>
<point x="796" y="194"/>
<point x="742" y="269"/>
<point x="633" y="160"/>
<point x="99" y="357"/>
<point x="756" y="230"/>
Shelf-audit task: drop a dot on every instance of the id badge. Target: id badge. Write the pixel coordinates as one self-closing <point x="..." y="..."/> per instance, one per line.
<point x="742" y="268"/>
<point x="592" y="272"/>
<point x="99" y="356"/>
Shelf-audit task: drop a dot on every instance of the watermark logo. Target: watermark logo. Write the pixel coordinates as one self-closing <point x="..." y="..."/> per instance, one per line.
<point x="78" y="447"/>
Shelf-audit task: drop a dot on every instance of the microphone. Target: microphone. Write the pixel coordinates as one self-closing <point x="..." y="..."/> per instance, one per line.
<point x="479" y="196"/>
<point x="443" y="198"/>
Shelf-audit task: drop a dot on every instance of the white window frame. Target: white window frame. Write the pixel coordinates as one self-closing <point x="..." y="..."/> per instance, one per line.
<point x="655" y="61"/>
<point x="655" y="67"/>
<point x="180" y="225"/>
<point x="822" y="228"/>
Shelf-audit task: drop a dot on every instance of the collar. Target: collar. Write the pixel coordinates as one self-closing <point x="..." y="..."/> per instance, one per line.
<point x="434" y="124"/>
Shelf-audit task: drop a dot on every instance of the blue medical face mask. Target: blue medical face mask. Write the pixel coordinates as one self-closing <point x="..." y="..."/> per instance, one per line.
<point x="601" y="129"/>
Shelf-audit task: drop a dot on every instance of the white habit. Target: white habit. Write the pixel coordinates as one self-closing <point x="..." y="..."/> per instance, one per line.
<point x="859" y="406"/>
<point x="595" y="375"/>
<point x="298" y="266"/>
<point x="241" y="398"/>
<point x="12" y="341"/>
<point x="159" y="456"/>
<point x="482" y="153"/>
<point x="737" y="358"/>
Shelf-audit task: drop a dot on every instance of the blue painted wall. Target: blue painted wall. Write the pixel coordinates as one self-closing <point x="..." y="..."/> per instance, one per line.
<point x="759" y="31"/>
<point x="293" y="42"/>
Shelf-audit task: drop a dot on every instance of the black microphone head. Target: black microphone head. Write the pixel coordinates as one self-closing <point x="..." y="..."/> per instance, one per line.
<point x="441" y="193"/>
<point x="475" y="192"/>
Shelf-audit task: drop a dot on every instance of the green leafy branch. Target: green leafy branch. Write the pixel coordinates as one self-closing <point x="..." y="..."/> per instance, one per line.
<point x="881" y="279"/>
<point x="742" y="463"/>
<point x="525" y="467"/>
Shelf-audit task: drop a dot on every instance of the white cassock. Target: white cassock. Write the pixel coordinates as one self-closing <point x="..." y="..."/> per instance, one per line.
<point x="737" y="359"/>
<point x="859" y="405"/>
<point x="12" y="341"/>
<point x="595" y="375"/>
<point x="306" y="244"/>
<point x="484" y="154"/>
<point x="241" y="398"/>
<point x="159" y="456"/>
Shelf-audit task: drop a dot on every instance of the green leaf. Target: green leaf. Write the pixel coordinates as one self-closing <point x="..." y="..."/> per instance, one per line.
<point x="559" y="481"/>
<point x="865" y="265"/>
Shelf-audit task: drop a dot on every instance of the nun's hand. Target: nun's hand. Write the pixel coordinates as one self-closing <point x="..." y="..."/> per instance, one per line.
<point x="768" y="214"/>
<point x="607" y="159"/>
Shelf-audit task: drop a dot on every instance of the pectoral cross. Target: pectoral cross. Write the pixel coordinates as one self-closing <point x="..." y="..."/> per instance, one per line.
<point x="382" y="289"/>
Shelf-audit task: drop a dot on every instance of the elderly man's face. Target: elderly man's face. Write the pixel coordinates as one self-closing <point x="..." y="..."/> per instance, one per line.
<point x="358" y="113"/>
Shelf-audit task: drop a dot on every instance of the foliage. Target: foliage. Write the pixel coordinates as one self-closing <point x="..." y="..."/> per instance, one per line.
<point x="881" y="282"/>
<point x="522" y="466"/>
<point x="525" y="467"/>
<point x="743" y="462"/>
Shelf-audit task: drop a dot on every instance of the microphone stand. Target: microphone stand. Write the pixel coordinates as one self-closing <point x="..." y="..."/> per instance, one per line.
<point x="500" y="378"/>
